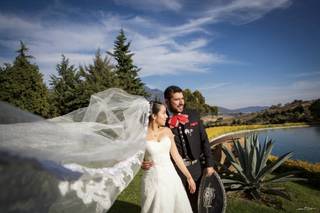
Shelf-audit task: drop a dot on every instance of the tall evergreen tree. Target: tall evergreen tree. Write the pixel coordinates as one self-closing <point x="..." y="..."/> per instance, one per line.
<point x="21" y="84"/>
<point x="126" y="71"/>
<point x="66" y="88"/>
<point x="98" y="76"/>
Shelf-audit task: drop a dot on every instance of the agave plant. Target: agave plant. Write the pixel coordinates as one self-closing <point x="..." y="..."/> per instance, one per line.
<point x="251" y="173"/>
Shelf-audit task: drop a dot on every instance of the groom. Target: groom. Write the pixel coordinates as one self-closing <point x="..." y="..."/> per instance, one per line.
<point x="191" y="140"/>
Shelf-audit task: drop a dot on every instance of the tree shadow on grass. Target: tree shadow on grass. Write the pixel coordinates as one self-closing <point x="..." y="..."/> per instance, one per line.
<point x="124" y="207"/>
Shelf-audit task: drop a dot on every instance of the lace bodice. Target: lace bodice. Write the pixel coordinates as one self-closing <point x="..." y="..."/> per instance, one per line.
<point x="159" y="152"/>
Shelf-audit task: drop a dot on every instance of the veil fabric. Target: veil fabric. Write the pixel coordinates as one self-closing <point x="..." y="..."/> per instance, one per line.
<point x="78" y="162"/>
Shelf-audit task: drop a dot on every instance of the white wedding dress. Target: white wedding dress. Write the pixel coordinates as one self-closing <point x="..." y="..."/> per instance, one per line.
<point x="161" y="189"/>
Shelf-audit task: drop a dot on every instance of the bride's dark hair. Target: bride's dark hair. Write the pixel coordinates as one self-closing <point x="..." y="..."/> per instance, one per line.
<point x="155" y="107"/>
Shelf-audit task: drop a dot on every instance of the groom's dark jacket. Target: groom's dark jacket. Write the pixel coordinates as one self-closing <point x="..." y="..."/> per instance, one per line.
<point x="196" y="137"/>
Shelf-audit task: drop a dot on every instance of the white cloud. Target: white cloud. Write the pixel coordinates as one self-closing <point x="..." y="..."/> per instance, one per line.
<point x="47" y="42"/>
<point x="244" y="11"/>
<point x="156" y="55"/>
<point x="195" y="44"/>
<point x="159" y="49"/>
<point x="154" y="5"/>
<point x="3" y="61"/>
<point x="12" y="23"/>
<point x="237" y="11"/>
<point x="158" y="61"/>
<point x="305" y="74"/>
<point x="213" y="86"/>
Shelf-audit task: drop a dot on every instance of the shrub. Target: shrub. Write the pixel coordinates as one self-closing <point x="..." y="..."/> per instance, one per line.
<point x="252" y="172"/>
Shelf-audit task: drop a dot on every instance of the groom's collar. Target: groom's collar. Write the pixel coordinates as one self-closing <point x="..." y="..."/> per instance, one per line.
<point x="171" y="113"/>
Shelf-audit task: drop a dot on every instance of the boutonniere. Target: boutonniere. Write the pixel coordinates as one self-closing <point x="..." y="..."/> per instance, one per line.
<point x="194" y="123"/>
<point x="188" y="131"/>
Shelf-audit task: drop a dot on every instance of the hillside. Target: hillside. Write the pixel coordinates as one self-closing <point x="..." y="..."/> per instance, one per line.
<point x="245" y="110"/>
<point x="155" y="94"/>
<point x="296" y="111"/>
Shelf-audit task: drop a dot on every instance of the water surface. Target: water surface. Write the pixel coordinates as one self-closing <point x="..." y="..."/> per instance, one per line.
<point x="303" y="142"/>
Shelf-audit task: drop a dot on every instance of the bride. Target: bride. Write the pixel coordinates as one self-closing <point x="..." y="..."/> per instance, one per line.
<point x="162" y="189"/>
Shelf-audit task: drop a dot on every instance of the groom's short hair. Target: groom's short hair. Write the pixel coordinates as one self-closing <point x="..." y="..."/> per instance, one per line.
<point x="170" y="90"/>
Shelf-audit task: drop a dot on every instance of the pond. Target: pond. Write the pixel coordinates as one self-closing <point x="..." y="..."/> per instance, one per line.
<point x="303" y="142"/>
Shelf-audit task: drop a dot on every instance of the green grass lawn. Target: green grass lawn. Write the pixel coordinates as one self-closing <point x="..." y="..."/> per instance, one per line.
<point x="129" y="199"/>
<point x="304" y="198"/>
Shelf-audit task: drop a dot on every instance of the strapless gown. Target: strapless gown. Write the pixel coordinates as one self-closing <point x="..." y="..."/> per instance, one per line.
<point x="161" y="189"/>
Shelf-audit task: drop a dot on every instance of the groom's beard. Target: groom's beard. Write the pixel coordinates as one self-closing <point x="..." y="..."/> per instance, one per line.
<point x="175" y="111"/>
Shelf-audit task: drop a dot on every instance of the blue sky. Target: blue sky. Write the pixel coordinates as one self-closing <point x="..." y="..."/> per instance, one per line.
<point x="236" y="52"/>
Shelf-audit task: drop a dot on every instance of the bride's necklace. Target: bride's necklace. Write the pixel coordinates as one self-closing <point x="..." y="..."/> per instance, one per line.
<point x="155" y="134"/>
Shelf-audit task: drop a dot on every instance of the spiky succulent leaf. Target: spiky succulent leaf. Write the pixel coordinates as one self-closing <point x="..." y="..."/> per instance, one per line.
<point x="240" y="171"/>
<point x="278" y="192"/>
<point x="265" y="155"/>
<point x="232" y="181"/>
<point x="229" y="154"/>
<point x="252" y="169"/>
<point x="240" y="152"/>
<point x="247" y="153"/>
<point x="255" y="194"/>
<point x="271" y="167"/>
<point x="286" y="175"/>
<point x="253" y="159"/>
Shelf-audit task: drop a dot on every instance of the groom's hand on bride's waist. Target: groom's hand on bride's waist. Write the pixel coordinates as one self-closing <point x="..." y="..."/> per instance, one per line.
<point x="146" y="165"/>
<point x="208" y="171"/>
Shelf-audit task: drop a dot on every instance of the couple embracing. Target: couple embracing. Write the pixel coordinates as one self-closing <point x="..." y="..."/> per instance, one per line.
<point x="177" y="156"/>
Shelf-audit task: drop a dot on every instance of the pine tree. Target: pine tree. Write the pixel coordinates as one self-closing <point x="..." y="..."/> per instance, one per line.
<point x="21" y="84"/>
<point x="126" y="71"/>
<point x="66" y="88"/>
<point x="98" y="76"/>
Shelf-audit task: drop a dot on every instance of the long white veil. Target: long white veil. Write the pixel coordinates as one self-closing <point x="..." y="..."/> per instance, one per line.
<point x="78" y="162"/>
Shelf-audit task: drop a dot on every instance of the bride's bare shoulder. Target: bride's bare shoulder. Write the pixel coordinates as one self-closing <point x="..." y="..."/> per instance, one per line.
<point x="166" y="131"/>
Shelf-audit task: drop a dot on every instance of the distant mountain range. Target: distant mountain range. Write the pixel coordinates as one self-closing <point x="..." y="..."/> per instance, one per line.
<point x="296" y="111"/>
<point x="245" y="110"/>
<point x="156" y="94"/>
